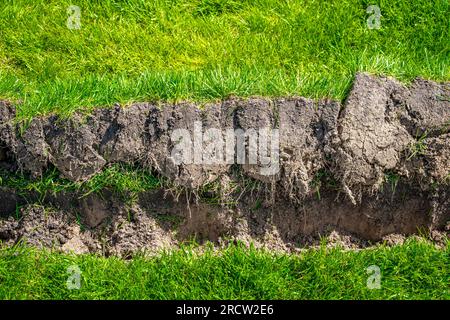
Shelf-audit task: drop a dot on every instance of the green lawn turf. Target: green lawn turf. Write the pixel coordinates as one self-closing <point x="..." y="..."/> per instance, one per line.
<point x="414" y="270"/>
<point x="135" y="50"/>
<point x="132" y="50"/>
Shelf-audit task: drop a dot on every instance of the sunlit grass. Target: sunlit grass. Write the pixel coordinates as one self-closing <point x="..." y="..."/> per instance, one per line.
<point x="414" y="270"/>
<point x="208" y="49"/>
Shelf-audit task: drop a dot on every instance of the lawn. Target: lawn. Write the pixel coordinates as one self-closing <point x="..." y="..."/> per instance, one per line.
<point x="134" y="50"/>
<point x="123" y="51"/>
<point x="414" y="270"/>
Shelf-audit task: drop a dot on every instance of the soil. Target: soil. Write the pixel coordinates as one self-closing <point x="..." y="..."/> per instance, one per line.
<point x="334" y="162"/>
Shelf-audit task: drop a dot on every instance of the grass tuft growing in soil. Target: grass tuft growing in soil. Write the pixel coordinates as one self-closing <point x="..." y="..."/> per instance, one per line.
<point x="414" y="270"/>
<point x="125" y="180"/>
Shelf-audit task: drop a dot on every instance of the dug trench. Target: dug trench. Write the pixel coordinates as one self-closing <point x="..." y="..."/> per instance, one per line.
<point x="372" y="168"/>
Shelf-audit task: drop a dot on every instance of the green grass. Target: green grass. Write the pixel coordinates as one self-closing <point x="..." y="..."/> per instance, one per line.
<point x="126" y="181"/>
<point x="414" y="270"/>
<point x="134" y="50"/>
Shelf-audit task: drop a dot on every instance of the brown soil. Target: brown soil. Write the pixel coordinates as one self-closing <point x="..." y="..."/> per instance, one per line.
<point x="334" y="162"/>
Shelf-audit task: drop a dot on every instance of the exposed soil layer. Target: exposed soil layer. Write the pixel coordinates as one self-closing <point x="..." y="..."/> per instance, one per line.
<point x="376" y="165"/>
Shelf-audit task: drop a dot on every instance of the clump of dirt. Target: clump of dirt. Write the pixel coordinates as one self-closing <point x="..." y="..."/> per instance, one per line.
<point x="306" y="127"/>
<point x="46" y="227"/>
<point x="133" y="231"/>
<point x="379" y="130"/>
<point x="375" y="165"/>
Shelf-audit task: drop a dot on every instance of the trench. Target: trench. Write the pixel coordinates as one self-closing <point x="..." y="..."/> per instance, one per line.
<point x="375" y="165"/>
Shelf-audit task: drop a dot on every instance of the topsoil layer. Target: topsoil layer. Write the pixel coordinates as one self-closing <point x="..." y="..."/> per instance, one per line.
<point x="376" y="165"/>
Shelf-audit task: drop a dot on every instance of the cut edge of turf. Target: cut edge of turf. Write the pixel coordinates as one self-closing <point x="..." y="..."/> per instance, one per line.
<point x="34" y="104"/>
